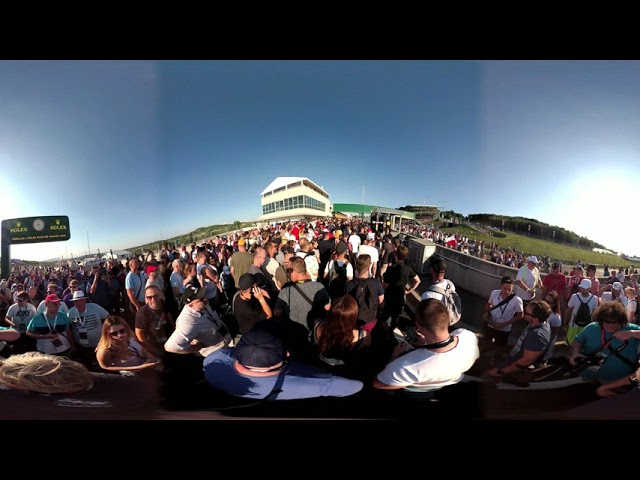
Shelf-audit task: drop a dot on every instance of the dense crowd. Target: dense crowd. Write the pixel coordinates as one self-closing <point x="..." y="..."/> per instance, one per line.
<point x="294" y="310"/>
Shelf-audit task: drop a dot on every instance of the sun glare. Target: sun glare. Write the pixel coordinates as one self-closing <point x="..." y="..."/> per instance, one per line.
<point x="596" y="201"/>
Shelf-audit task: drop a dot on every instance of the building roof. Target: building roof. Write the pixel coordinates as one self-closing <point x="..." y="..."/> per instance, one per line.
<point x="281" y="182"/>
<point x="284" y="181"/>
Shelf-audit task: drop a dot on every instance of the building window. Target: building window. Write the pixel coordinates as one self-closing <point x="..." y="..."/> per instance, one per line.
<point x="300" y="201"/>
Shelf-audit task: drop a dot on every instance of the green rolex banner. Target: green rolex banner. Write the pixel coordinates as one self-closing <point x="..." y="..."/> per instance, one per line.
<point x="31" y="230"/>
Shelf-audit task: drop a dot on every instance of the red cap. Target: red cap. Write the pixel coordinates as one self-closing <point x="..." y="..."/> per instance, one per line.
<point x="52" y="298"/>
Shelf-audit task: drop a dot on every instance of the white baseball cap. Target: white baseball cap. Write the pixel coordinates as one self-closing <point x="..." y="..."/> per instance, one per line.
<point x="585" y="283"/>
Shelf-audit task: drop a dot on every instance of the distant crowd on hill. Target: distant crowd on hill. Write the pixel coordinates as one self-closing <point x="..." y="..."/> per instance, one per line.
<point x="492" y="251"/>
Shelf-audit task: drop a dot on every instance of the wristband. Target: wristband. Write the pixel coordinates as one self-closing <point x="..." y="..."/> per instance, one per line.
<point x="500" y="372"/>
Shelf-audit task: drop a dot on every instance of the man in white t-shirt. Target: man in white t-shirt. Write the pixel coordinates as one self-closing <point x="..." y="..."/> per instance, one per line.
<point x="20" y="313"/>
<point x="583" y="296"/>
<point x="86" y="327"/>
<point x="502" y="310"/>
<point x="368" y="248"/>
<point x="437" y="359"/>
<point x="527" y="280"/>
<point x="437" y="269"/>
<point x="355" y="241"/>
<point x="309" y="258"/>
<point x="612" y="292"/>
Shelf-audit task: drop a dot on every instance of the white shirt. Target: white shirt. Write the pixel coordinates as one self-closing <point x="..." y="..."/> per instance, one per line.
<point x="423" y="370"/>
<point x="21" y="315"/>
<point x="372" y="252"/>
<point x="311" y="262"/>
<point x="574" y="303"/>
<point x="437" y="295"/>
<point x="505" y="312"/>
<point x="88" y="322"/>
<point x="204" y="327"/>
<point x="529" y="278"/>
<point x="355" y="242"/>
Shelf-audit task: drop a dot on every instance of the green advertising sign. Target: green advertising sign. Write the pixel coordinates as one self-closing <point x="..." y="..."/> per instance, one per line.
<point x="35" y="230"/>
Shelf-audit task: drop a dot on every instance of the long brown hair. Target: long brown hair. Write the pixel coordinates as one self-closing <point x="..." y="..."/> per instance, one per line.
<point x="338" y="327"/>
<point x="556" y="301"/>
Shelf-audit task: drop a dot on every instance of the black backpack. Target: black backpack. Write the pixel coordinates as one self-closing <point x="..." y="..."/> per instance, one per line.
<point x="367" y="301"/>
<point x="337" y="279"/>
<point x="583" y="315"/>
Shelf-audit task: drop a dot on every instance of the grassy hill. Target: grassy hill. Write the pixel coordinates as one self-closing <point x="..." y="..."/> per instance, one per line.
<point x="535" y="246"/>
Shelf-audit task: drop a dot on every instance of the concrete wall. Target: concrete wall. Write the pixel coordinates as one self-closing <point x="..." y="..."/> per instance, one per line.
<point x="473" y="274"/>
<point x="470" y="273"/>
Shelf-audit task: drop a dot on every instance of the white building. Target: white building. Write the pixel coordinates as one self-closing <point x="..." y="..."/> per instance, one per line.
<point x="293" y="198"/>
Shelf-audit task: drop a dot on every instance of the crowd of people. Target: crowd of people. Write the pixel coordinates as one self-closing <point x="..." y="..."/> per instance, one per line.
<point x="294" y="310"/>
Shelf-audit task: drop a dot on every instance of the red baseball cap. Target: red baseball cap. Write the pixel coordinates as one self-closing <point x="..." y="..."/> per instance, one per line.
<point x="52" y="298"/>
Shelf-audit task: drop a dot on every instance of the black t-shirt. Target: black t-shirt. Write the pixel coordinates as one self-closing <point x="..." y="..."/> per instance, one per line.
<point x="387" y="250"/>
<point x="397" y="277"/>
<point x="325" y="247"/>
<point x="247" y="313"/>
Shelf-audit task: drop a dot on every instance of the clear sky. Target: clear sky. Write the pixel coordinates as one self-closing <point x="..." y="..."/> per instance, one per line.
<point x="137" y="151"/>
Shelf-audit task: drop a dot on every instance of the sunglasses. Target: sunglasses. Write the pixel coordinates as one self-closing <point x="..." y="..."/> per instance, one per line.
<point x="610" y="322"/>
<point x="118" y="332"/>
<point x="150" y="297"/>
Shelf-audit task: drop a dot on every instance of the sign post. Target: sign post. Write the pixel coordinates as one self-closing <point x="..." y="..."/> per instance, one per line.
<point x="20" y="231"/>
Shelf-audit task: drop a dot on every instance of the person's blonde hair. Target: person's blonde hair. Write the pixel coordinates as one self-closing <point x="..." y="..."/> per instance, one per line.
<point x="38" y="372"/>
<point x="106" y="342"/>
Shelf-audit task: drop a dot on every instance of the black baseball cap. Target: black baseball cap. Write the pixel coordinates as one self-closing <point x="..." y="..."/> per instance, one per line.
<point x="438" y="264"/>
<point x="193" y="293"/>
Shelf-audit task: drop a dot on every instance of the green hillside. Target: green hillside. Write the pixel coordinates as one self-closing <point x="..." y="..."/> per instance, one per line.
<point x="536" y="246"/>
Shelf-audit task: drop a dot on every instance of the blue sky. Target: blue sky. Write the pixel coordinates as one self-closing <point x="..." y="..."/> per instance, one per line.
<point x="134" y="151"/>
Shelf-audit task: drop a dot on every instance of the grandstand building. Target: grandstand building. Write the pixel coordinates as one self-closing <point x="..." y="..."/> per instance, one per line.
<point x="293" y="198"/>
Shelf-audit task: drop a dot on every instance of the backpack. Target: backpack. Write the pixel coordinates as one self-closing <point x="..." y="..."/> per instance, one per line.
<point x="583" y="315"/>
<point x="315" y="265"/>
<point x="367" y="301"/>
<point x="451" y="300"/>
<point x="337" y="279"/>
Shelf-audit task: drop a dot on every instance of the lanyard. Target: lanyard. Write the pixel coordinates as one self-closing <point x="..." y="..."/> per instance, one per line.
<point x="504" y="307"/>
<point x="55" y="321"/>
<point x="80" y="318"/>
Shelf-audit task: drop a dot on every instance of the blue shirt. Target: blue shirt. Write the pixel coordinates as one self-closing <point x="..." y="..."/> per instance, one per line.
<point x="136" y="281"/>
<point x="612" y="368"/>
<point x="300" y="380"/>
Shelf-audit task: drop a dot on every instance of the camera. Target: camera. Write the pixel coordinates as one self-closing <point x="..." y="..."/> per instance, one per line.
<point x="408" y="329"/>
<point x="411" y="333"/>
